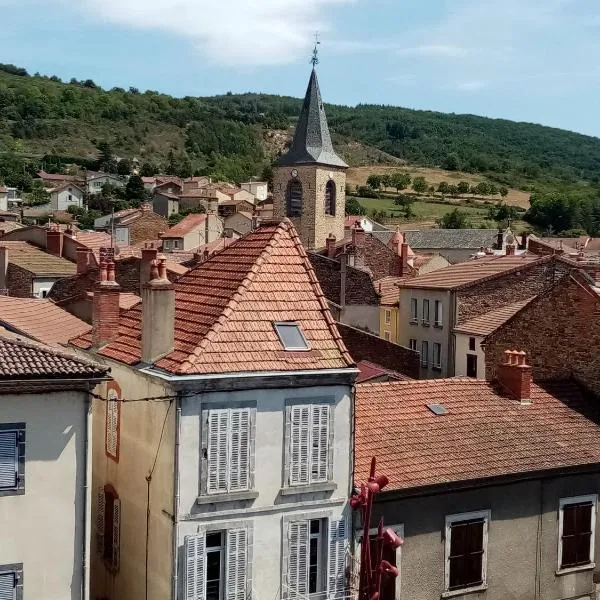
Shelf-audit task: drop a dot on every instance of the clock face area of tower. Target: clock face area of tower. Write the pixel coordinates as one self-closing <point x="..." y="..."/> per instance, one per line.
<point x="308" y="208"/>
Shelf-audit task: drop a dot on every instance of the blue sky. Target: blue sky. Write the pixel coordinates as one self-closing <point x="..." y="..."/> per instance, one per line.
<point x="526" y="60"/>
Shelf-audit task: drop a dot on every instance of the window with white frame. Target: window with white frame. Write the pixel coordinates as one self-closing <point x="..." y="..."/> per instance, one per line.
<point x="228" y="449"/>
<point x="424" y="354"/>
<point x="316" y="558"/>
<point x="108" y="526"/>
<point x="438" y="313"/>
<point x="425" y="314"/>
<point x="388" y="316"/>
<point x="113" y="424"/>
<point x="576" y="532"/>
<point x="412" y="344"/>
<point x="414" y="310"/>
<point x="217" y="565"/>
<point x="466" y="551"/>
<point x="11" y="582"/>
<point x="12" y="459"/>
<point x="309" y="450"/>
<point x="437" y="356"/>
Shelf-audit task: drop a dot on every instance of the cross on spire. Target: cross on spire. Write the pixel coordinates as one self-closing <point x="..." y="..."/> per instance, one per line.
<point x="315" y="55"/>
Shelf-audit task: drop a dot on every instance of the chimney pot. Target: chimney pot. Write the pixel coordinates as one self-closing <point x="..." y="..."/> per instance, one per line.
<point x="54" y="240"/>
<point x="149" y="255"/>
<point x="105" y="313"/>
<point x="510" y="250"/>
<point x="330" y="245"/>
<point x="514" y="376"/>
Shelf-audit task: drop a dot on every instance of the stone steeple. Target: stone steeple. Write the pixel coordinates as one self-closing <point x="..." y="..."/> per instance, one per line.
<point x="312" y="140"/>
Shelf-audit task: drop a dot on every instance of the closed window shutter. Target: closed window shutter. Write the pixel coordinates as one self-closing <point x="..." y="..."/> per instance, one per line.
<point x="299" y="444"/>
<point x="7" y="586"/>
<point x="237" y="557"/>
<point x="337" y="558"/>
<point x="9" y="459"/>
<point x="319" y="443"/>
<point x="112" y="420"/>
<point x="239" y="450"/>
<point x="100" y="512"/>
<point x="195" y="557"/>
<point x="116" y="546"/>
<point x="297" y="579"/>
<point x="218" y="434"/>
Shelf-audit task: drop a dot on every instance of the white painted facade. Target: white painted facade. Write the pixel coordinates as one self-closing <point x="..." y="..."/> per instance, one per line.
<point x="63" y="198"/>
<point x="42" y="529"/>
<point x="96" y="182"/>
<point x="469" y="346"/>
<point x="43" y="285"/>
<point x="259" y="189"/>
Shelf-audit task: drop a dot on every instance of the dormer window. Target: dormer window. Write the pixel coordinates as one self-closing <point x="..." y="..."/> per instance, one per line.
<point x="291" y="336"/>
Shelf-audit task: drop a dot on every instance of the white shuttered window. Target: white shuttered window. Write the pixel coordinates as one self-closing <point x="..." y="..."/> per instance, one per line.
<point x="237" y="559"/>
<point x="309" y="444"/>
<point x="8" y="589"/>
<point x="228" y="450"/>
<point x="337" y="558"/>
<point x="9" y="459"/>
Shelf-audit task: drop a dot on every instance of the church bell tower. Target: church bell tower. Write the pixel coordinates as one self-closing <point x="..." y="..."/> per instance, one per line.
<point x="309" y="181"/>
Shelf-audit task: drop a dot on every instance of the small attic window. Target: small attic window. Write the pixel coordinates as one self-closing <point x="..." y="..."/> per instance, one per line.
<point x="291" y="336"/>
<point x="438" y="409"/>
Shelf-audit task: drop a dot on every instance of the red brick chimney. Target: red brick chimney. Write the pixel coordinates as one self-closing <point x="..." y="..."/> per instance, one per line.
<point x="330" y="245"/>
<point x="514" y="375"/>
<point x="83" y="260"/>
<point x="158" y="314"/>
<point x="54" y="239"/>
<point x="403" y="259"/>
<point x="149" y="254"/>
<point x="358" y="241"/>
<point x="105" y="314"/>
<point x="510" y="249"/>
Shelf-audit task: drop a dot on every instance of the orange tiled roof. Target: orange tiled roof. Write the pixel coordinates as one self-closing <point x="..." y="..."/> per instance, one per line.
<point x="185" y="226"/>
<point x="225" y="309"/>
<point x="37" y="261"/>
<point x="387" y="288"/>
<point x="466" y="273"/>
<point x="484" y="434"/>
<point x="488" y="322"/>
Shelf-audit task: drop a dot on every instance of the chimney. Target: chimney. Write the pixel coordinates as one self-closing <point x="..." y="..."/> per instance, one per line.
<point x="83" y="260"/>
<point x="524" y="240"/>
<point x="514" y="375"/>
<point x="343" y="275"/>
<point x="158" y="314"/>
<point x="510" y="249"/>
<point x="3" y="267"/>
<point x="54" y="240"/>
<point x="404" y="259"/>
<point x="149" y="255"/>
<point x="69" y="231"/>
<point x="105" y="314"/>
<point x="330" y="245"/>
<point x="146" y="207"/>
<point x="500" y="239"/>
<point x="358" y="241"/>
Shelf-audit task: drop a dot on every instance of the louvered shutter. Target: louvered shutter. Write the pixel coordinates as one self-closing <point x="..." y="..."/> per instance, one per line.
<point x="319" y="433"/>
<point x="9" y="459"/>
<point x="239" y="450"/>
<point x="195" y="559"/>
<point x="100" y="512"/>
<point x="237" y="568"/>
<point x="297" y="579"/>
<point x="299" y="445"/>
<point x="116" y="541"/>
<point x="7" y="586"/>
<point x="112" y="420"/>
<point x="336" y="568"/>
<point x="218" y="434"/>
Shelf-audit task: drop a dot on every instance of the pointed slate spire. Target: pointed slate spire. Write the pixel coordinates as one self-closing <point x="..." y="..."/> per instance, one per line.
<point x="312" y="141"/>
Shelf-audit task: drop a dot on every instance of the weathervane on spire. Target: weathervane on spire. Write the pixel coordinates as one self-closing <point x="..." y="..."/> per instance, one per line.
<point x="315" y="56"/>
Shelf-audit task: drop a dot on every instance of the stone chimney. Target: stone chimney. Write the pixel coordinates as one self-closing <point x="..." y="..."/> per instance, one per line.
<point x="3" y="268"/>
<point x="330" y="245"/>
<point x="158" y="314"/>
<point x="510" y="249"/>
<point x="105" y="314"/>
<point x="83" y="260"/>
<point x="149" y="255"/>
<point x="514" y="375"/>
<point x="358" y="241"/>
<point x="54" y="240"/>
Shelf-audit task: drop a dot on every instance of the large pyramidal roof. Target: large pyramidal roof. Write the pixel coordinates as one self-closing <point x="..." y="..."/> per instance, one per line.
<point x="312" y="140"/>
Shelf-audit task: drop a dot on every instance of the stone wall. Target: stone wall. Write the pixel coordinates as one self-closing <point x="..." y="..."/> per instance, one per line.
<point x="19" y="282"/>
<point x="147" y="227"/>
<point x="559" y="330"/>
<point x="512" y="287"/>
<point x="314" y="225"/>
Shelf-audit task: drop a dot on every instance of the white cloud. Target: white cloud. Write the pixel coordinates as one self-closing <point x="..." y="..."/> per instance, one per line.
<point x="434" y="50"/>
<point x="230" y="32"/>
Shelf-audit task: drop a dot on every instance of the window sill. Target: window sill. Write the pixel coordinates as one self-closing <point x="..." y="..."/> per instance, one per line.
<point x="231" y="497"/>
<point x="308" y="489"/>
<point x="438" y="326"/>
<point x="568" y="570"/>
<point x="414" y="322"/>
<point x="463" y="591"/>
<point x="425" y="324"/>
<point x="424" y="366"/>
<point x="12" y="492"/>
<point x="436" y="368"/>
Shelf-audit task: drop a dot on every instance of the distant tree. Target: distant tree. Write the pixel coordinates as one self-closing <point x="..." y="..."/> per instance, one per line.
<point x="148" y="169"/>
<point x="88" y="83"/>
<point x="386" y="181"/>
<point x="432" y="189"/>
<point x="502" y="213"/>
<point x="106" y="160"/>
<point x="354" y="207"/>
<point x="453" y="190"/>
<point x="405" y="201"/>
<point x="124" y="167"/>
<point x="443" y="187"/>
<point x="503" y="191"/>
<point x="482" y="188"/>
<point x="38" y="195"/>
<point x="374" y="181"/>
<point x="364" y="191"/>
<point x="452" y="162"/>
<point x="455" y="219"/>
<point x="135" y="190"/>
<point x="134" y="90"/>
<point x="13" y="70"/>
<point x="492" y="189"/>
<point x="419" y="185"/>
<point x="400" y="181"/>
<point x="463" y="187"/>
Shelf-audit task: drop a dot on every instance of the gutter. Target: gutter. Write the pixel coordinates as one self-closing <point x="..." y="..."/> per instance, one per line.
<point x="175" y="549"/>
<point x="87" y="504"/>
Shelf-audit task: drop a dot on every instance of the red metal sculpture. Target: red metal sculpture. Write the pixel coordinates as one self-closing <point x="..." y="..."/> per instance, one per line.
<point x="372" y="566"/>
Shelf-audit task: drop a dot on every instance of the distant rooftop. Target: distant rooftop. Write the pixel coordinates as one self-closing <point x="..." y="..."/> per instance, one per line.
<point x="460" y="239"/>
<point x="488" y="322"/>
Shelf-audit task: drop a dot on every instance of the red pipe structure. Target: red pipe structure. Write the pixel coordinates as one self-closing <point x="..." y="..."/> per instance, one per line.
<point x="373" y="567"/>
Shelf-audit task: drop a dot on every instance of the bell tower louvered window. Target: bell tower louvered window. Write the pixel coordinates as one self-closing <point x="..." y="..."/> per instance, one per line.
<point x="293" y="199"/>
<point x="330" y="198"/>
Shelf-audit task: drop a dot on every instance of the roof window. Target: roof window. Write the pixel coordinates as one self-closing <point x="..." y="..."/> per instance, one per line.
<point x="291" y="336"/>
<point x="438" y="409"/>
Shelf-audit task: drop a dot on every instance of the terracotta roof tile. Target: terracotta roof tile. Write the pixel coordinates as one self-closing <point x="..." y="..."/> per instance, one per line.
<point x="387" y="288"/>
<point x="185" y="226"/>
<point x="484" y="433"/>
<point x="488" y="322"/>
<point x="369" y="370"/>
<point x="37" y="261"/>
<point x="226" y="307"/>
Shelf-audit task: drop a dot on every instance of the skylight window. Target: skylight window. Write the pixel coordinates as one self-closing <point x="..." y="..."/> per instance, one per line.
<point x="291" y="336"/>
<point x="437" y="409"/>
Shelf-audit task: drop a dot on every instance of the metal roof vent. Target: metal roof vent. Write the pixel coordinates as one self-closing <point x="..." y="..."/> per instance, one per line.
<point x="438" y="409"/>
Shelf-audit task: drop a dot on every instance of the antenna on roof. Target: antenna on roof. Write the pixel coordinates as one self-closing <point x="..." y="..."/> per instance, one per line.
<point x="315" y="55"/>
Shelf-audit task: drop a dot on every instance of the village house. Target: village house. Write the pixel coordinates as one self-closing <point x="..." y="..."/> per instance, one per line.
<point x="51" y="180"/>
<point x="195" y="183"/>
<point x="96" y="181"/>
<point x="65" y="195"/>
<point x="432" y="306"/>
<point x="192" y="231"/>
<point x="224" y="442"/>
<point x="45" y="470"/>
<point x="258" y="189"/>
<point x="165" y="203"/>
<point x="239" y="223"/>
<point x="367" y="224"/>
<point x="133" y="225"/>
<point x="492" y="484"/>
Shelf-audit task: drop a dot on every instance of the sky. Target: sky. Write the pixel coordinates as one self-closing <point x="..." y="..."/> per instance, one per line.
<point x="525" y="60"/>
